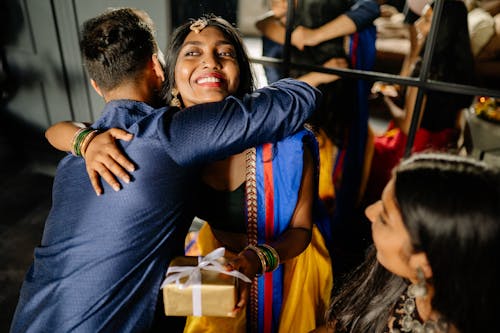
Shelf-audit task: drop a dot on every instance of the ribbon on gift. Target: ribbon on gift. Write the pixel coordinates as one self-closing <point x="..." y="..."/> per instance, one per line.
<point x="210" y="263"/>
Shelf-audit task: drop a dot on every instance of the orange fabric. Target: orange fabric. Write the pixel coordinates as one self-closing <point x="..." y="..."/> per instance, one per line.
<point x="389" y="148"/>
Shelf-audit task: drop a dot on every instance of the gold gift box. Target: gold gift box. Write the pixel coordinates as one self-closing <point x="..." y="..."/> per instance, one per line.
<point x="218" y="293"/>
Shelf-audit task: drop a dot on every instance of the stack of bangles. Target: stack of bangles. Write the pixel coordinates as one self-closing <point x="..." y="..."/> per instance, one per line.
<point x="81" y="140"/>
<point x="268" y="257"/>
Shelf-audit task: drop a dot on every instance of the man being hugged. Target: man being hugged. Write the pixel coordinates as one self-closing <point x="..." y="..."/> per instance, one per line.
<point x="102" y="258"/>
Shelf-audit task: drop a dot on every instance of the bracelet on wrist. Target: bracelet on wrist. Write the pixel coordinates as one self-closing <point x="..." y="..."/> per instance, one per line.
<point x="260" y="256"/>
<point x="268" y="257"/>
<point x="79" y="140"/>
<point x="271" y="256"/>
<point x="86" y="142"/>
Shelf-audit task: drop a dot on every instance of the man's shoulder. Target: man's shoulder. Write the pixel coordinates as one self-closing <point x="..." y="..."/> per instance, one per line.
<point x="125" y="113"/>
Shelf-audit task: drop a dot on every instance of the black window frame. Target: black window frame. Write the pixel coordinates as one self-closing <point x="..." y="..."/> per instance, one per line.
<point x="423" y="83"/>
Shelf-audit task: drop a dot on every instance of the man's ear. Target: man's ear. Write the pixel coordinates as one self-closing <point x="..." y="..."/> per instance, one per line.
<point x="96" y="87"/>
<point x="419" y="260"/>
<point x="158" y="63"/>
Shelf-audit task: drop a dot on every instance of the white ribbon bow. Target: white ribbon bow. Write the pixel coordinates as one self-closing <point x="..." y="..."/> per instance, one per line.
<point x="209" y="263"/>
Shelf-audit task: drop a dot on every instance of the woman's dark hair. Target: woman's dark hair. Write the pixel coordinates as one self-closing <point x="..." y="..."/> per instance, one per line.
<point x="117" y="45"/>
<point x="450" y="206"/>
<point x="452" y="61"/>
<point x="231" y="33"/>
<point x="365" y="303"/>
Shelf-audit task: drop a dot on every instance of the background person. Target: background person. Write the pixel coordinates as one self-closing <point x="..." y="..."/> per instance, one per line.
<point x="438" y="127"/>
<point x="434" y="256"/>
<point x="337" y="34"/>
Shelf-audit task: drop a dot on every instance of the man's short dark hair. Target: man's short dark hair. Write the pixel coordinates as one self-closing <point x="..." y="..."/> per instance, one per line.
<point x="117" y="45"/>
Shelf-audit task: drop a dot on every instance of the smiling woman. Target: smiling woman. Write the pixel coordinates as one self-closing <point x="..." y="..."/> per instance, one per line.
<point x="209" y="62"/>
<point x="207" y="67"/>
<point x="433" y="267"/>
<point x="217" y="52"/>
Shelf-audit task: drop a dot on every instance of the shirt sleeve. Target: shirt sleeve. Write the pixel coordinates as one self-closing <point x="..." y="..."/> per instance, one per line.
<point x="208" y="132"/>
<point x="363" y="13"/>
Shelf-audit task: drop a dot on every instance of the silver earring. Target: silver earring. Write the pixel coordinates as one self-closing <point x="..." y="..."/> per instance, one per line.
<point x="175" y="101"/>
<point x="418" y="289"/>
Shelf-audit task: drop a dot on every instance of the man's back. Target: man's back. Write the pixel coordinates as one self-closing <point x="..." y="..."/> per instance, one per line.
<point x="102" y="256"/>
<point x="102" y="259"/>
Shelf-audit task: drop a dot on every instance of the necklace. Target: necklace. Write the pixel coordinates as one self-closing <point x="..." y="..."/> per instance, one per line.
<point x="406" y="318"/>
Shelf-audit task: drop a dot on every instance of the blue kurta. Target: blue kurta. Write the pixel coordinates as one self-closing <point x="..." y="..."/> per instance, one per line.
<point x="102" y="259"/>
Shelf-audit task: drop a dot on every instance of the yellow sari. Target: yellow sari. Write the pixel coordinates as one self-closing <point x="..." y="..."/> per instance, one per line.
<point x="308" y="281"/>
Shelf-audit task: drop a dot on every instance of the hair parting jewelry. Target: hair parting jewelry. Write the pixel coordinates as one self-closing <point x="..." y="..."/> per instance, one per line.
<point x="198" y="25"/>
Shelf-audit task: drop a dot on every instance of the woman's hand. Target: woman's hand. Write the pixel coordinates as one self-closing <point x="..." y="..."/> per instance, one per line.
<point x="317" y="78"/>
<point x="302" y="37"/>
<point x="247" y="263"/>
<point x="385" y="89"/>
<point x="104" y="159"/>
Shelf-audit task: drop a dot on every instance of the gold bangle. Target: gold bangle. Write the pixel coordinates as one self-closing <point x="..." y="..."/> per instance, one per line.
<point x="276" y="260"/>
<point x="260" y="255"/>
<point x="86" y="141"/>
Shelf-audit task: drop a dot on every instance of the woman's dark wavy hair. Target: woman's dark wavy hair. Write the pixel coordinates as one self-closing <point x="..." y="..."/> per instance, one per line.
<point x="452" y="61"/>
<point x="451" y="208"/>
<point x="117" y="45"/>
<point x="231" y="33"/>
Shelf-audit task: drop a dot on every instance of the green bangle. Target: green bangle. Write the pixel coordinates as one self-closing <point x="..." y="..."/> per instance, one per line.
<point x="74" y="140"/>
<point x="272" y="256"/>
<point x="80" y="138"/>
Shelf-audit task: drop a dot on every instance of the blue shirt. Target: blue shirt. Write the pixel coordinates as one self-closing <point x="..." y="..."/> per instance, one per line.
<point x="102" y="259"/>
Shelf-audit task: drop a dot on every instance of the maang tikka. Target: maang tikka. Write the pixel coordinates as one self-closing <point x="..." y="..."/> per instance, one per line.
<point x="198" y="25"/>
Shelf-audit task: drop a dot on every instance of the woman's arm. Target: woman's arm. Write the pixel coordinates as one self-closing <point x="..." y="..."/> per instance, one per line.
<point x="60" y="135"/>
<point x="272" y="23"/>
<point x="273" y="28"/>
<point x="342" y="25"/>
<point x="402" y="117"/>
<point x="317" y="78"/>
<point x="102" y="156"/>
<point x="298" y="235"/>
<point x="294" y="240"/>
<point x="361" y="15"/>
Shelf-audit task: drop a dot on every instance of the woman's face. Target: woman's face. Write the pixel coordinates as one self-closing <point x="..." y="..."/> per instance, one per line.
<point x="390" y="236"/>
<point x="207" y="69"/>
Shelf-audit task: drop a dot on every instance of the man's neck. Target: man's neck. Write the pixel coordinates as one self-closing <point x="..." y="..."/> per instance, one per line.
<point x="135" y="92"/>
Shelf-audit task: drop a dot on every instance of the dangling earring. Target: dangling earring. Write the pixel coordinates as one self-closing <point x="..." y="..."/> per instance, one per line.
<point x="175" y="101"/>
<point x="406" y="313"/>
<point x="418" y="289"/>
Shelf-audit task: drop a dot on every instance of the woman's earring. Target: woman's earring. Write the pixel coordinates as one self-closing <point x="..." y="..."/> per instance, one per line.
<point x="418" y="289"/>
<point x="175" y="101"/>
